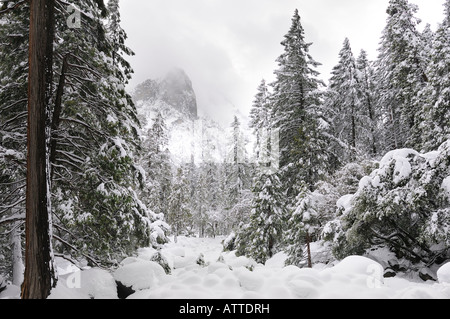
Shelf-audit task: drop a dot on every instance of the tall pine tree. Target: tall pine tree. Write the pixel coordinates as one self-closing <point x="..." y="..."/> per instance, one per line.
<point x="435" y="128"/>
<point x="296" y="103"/>
<point x="400" y="75"/>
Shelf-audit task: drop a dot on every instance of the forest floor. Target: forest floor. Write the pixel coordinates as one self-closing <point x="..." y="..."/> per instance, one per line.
<point x="201" y="270"/>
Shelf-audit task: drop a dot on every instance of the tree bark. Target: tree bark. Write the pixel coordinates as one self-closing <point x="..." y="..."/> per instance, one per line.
<point x="308" y="248"/>
<point x="39" y="276"/>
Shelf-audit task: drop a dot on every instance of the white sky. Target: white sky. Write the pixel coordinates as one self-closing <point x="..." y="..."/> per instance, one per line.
<point x="227" y="46"/>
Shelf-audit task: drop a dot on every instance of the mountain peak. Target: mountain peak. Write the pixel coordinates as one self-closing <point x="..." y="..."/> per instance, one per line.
<point x="175" y="90"/>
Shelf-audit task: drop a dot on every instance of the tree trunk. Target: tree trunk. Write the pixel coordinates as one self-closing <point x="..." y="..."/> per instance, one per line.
<point x="39" y="276"/>
<point x="308" y="248"/>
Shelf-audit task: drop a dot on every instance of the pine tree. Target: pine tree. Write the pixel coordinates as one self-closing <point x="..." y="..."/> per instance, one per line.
<point x="400" y="74"/>
<point x="434" y="128"/>
<point x="237" y="170"/>
<point x="296" y="112"/>
<point x="260" y="116"/>
<point x="14" y="31"/>
<point x="261" y="237"/>
<point x="158" y="166"/>
<point x="300" y="231"/>
<point x="94" y="138"/>
<point x="179" y="214"/>
<point x="344" y="98"/>
<point x="367" y="100"/>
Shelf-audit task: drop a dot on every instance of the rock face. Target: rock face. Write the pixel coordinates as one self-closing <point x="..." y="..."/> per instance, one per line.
<point x="191" y="138"/>
<point x="175" y="89"/>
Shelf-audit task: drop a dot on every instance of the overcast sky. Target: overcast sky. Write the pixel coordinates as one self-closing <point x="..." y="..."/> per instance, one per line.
<point x="227" y="46"/>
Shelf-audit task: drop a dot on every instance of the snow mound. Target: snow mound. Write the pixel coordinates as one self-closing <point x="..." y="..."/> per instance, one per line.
<point x="235" y="277"/>
<point x="443" y="274"/>
<point x="139" y="275"/>
<point x="92" y="283"/>
<point x="359" y="265"/>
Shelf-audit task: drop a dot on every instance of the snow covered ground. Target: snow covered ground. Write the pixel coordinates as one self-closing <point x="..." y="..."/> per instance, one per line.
<point x="225" y="276"/>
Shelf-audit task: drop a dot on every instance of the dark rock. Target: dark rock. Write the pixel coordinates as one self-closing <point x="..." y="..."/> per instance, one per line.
<point x="425" y="274"/>
<point x="389" y="273"/>
<point x="2" y="284"/>
<point x="123" y="291"/>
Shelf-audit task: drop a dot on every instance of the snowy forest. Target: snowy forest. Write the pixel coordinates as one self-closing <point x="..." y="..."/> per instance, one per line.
<point x="358" y="166"/>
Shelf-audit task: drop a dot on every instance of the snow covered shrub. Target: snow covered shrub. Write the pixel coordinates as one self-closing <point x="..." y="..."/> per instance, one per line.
<point x="403" y="205"/>
<point x="313" y="210"/>
<point x="229" y="242"/>
<point x="162" y="261"/>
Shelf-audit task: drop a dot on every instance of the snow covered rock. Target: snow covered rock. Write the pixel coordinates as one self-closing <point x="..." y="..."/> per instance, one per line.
<point x="98" y="284"/>
<point x="139" y="275"/>
<point x="358" y="265"/>
<point x="93" y="283"/>
<point x="175" y="89"/>
<point x="162" y="261"/>
<point x="443" y="274"/>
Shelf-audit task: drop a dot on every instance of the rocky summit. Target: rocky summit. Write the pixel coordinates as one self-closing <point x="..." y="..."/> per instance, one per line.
<point x="175" y="90"/>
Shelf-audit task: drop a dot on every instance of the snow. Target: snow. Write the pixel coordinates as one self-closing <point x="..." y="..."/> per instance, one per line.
<point x="139" y="274"/>
<point x="402" y="169"/>
<point x="443" y="274"/>
<point x="446" y="186"/>
<point x="226" y="276"/>
<point x="345" y="203"/>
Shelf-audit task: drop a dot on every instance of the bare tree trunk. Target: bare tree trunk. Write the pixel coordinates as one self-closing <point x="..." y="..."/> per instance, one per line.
<point x="39" y="276"/>
<point x="308" y="247"/>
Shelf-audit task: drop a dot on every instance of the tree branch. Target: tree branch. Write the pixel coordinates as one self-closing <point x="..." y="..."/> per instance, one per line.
<point x="17" y="5"/>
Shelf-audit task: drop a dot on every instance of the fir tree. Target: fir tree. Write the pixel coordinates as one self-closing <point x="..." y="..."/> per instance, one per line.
<point x="369" y="126"/>
<point x="400" y="74"/>
<point x="179" y="213"/>
<point x="261" y="238"/>
<point x="13" y="116"/>
<point x="296" y="113"/>
<point x="260" y="116"/>
<point x="435" y="128"/>
<point x="158" y="166"/>
<point x="344" y="98"/>
<point x="301" y="230"/>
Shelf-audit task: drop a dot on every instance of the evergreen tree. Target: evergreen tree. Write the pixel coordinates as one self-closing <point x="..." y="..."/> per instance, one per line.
<point x="300" y="230"/>
<point x="95" y="180"/>
<point x="400" y="75"/>
<point x="261" y="237"/>
<point x="158" y="166"/>
<point x="402" y="206"/>
<point x="304" y="149"/>
<point x="237" y="171"/>
<point x="260" y="116"/>
<point x="13" y="116"/>
<point x="345" y="99"/>
<point x="179" y="214"/>
<point x="95" y="134"/>
<point x="369" y="126"/>
<point x="435" y="128"/>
